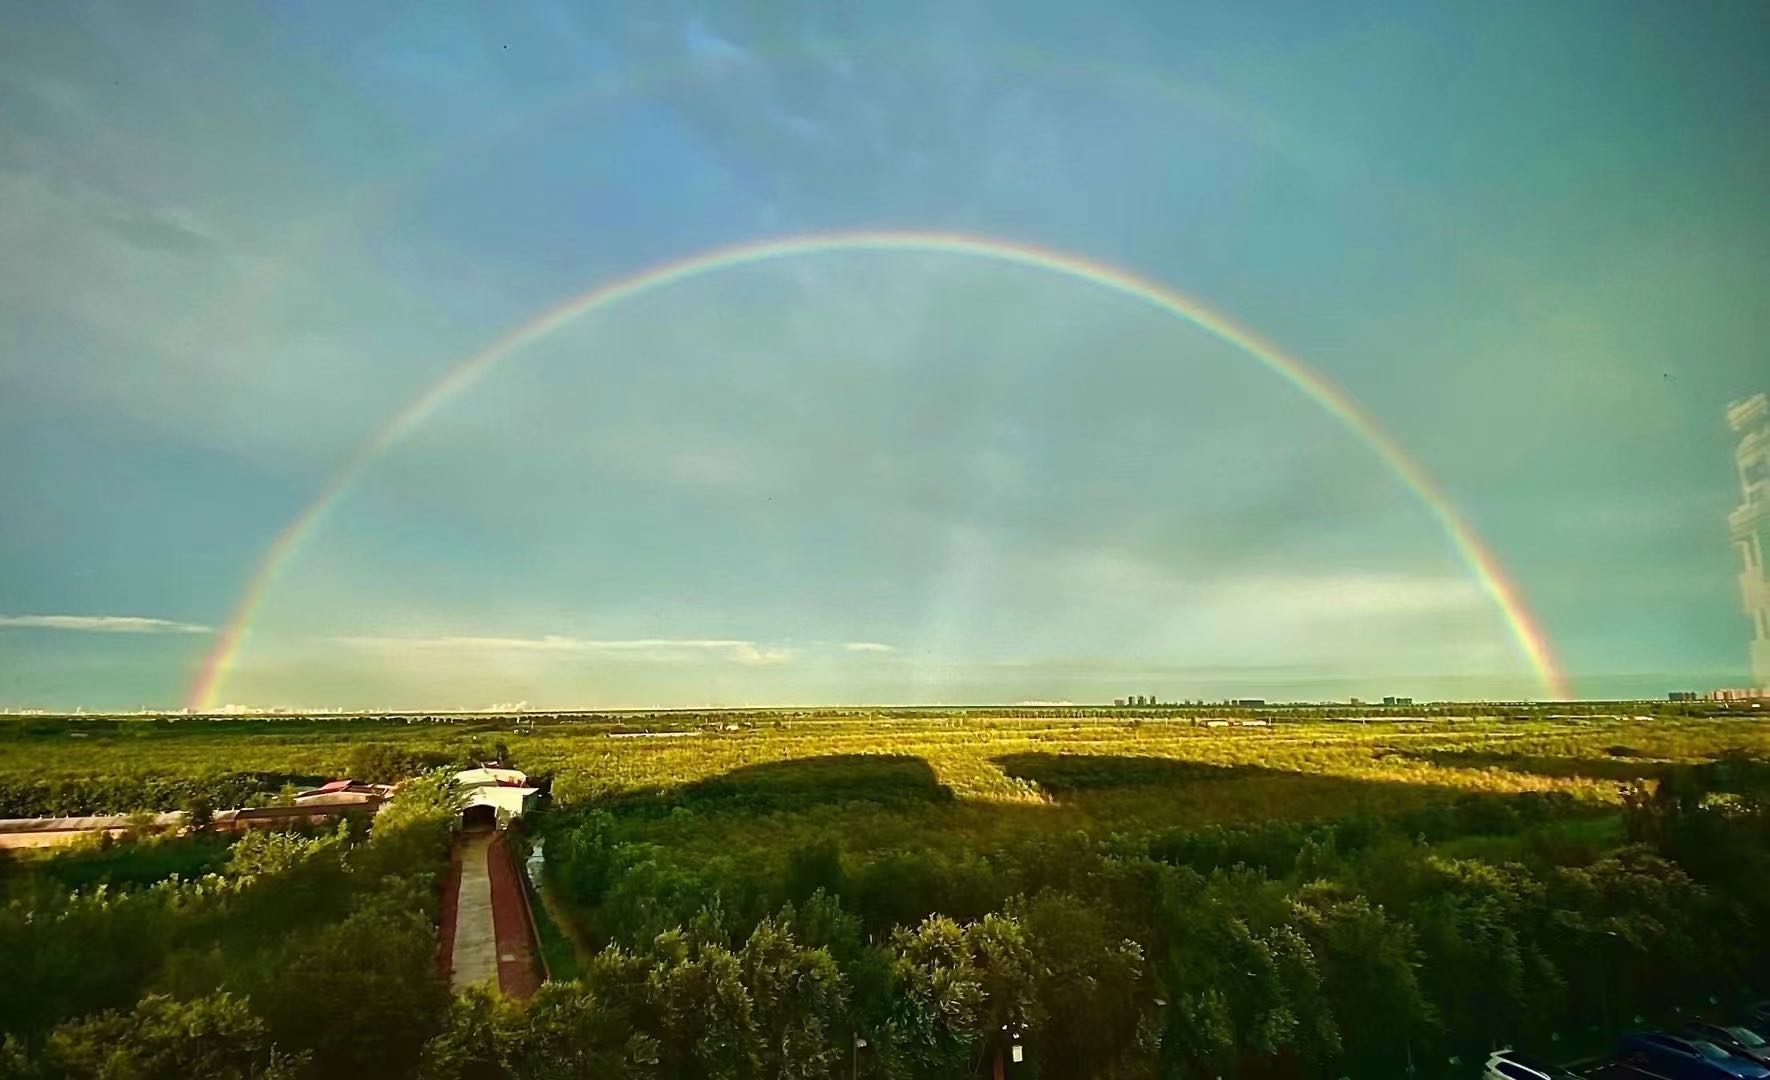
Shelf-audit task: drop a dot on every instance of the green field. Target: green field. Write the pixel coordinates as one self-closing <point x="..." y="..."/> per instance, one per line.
<point x="740" y="894"/>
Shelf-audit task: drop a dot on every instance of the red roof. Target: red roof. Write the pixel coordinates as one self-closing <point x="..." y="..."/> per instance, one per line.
<point x="335" y="785"/>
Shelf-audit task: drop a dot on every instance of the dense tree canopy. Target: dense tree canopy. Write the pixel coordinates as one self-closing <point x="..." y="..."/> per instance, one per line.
<point x="1106" y="916"/>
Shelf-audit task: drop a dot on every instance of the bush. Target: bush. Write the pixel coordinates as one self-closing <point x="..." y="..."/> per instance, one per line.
<point x="215" y="1037"/>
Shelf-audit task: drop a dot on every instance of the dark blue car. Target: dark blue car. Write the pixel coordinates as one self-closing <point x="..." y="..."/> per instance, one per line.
<point x="1685" y="1059"/>
<point x="1739" y="1041"/>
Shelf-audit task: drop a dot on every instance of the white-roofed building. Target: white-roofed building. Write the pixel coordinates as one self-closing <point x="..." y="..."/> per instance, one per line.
<point x="492" y="794"/>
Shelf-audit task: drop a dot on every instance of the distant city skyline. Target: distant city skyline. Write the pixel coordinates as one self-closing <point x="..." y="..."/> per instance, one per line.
<point x="1419" y="397"/>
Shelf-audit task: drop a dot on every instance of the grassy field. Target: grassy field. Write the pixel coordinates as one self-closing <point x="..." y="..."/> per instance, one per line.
<point x="1279" y="892"/>
<point x="1523" y="750"/>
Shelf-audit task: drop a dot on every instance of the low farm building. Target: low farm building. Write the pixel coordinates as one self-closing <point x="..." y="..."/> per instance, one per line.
<point x="344" y="793"/>
<point x="494" y="794"/>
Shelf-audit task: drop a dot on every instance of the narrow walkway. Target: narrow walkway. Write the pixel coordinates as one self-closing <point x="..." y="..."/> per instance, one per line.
<point x="475" y="958"/>
<point x="519" y="954"/>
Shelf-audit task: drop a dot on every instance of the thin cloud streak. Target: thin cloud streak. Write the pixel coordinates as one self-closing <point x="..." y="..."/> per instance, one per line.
<point x="103" y="624"/>
<point x="736" y="649"/>
<point x="868" y="647"/>
<point x="545" y="643"/>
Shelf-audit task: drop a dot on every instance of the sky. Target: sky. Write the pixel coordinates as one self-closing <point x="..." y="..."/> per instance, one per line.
<point x="236" y="240"/>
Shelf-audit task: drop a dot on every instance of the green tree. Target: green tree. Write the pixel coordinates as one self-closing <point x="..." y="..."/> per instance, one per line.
<point x="798" y="1001"/>
<point x="815" y="867"/>
<point x="363" y="995"/>
<point x="479" y="1040"/>
<point x="1370" y="967"/>
<point x="822" y="923"/>
<point x="581" y="859"/>
<point x="940" y="994"/>
<point x="215" y="1036"/>
<point x="967" y="991"/>
<point x="199" y="813"/>
<point x="704" y="1015"/>
<point x="1087" y="985"/>
<point x="570" y="1031"/>
<point x="379" y="763"/>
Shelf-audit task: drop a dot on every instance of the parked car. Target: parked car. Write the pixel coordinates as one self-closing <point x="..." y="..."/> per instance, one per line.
<point x="1685" y="1059"/>
<point x="1738" y="1041"/>
<point x="1511" y="1065"/>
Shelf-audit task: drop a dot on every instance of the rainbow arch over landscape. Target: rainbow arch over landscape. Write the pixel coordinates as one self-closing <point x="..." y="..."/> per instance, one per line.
<point x="1528" y="634"/>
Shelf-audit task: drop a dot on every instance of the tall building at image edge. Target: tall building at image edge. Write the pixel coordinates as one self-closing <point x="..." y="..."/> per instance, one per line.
<point x="1749" y="524"/>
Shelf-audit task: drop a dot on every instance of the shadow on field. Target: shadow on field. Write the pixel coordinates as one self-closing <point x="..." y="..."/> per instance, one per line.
<point x="1140" y="793"/>
<point x="763" y="835"/>
<point x="1164" y="792"/>
<point x="1615" y="768"/>
<point x="1063" y="774"/>
<point x="801" y="783"/>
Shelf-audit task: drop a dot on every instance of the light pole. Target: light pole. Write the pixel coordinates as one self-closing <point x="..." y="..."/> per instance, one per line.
<point x="1015" y="1050"/>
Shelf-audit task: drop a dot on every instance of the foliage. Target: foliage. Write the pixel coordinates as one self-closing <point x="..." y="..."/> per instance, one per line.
<point x="1133" y="896"/>
<point x="216" y="1036"/>
<point x="387" y="763"/>
<point x="565" y="1030"/>
<point x="328" y="936"/>
<point x="689" y="1007"/>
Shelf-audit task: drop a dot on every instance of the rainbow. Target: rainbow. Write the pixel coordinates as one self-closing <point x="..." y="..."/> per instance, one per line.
<point x="1527" y="632"/>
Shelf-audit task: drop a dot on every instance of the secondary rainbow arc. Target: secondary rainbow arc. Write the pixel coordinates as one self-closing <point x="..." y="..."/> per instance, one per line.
<point x="1531" y="640"/>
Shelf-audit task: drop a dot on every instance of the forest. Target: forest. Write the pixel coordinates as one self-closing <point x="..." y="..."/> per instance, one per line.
<point x="913" y="894"/>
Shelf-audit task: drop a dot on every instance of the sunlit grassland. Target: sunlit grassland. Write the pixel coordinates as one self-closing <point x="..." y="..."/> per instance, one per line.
<point x="1302" y="771"/>
<point x="1293" y="769"/>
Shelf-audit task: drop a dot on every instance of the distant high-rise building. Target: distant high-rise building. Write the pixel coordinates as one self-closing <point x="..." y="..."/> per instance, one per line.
<point x="1749" y="523"/>
<point x="1683" y="695"/>
<point x="1398" y="701"/>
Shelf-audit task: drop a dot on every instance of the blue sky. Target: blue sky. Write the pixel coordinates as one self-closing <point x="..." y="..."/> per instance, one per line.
<point x="235" y="239"/>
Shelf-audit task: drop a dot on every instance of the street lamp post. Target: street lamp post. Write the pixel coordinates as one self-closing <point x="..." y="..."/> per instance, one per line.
<point x="1015" y="1050"/>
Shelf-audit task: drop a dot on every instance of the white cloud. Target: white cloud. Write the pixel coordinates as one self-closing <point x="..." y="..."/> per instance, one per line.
<point x="734" y="649"/>
<point x="747" y="653"/>
<point x="103" y="624"/>
<point x="868" y="647"/>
